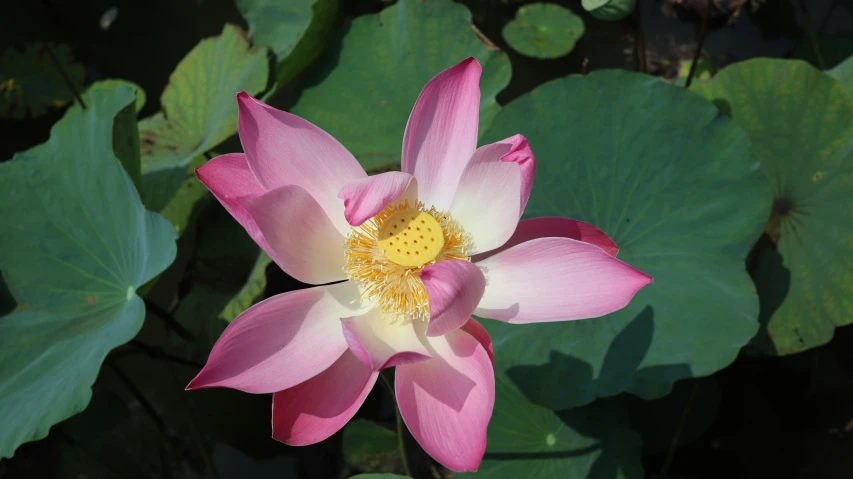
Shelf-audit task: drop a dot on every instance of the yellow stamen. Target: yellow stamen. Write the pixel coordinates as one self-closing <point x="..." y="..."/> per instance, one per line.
<point x="411" y="238"/>
<point x="390" y="277"/>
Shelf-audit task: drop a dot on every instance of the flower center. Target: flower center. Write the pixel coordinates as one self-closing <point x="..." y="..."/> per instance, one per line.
<point x="385" y="255"/>
<point x="411" y="238"/>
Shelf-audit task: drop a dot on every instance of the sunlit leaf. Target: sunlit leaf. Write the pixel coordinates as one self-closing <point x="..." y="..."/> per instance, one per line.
<point x="199" y="110"/>
<point x="799" y="122"/>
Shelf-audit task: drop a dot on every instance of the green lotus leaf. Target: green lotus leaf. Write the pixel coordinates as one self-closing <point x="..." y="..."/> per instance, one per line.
<point x="199" y="110"/>
<point x="369" y="447"/>
<point x="526" y="440"/>
<point x="31" y="83"/>
<point x="76" y="245"/>
<point x="368" y="80"/>
<point x="673" y="182"/>
<point x="229" y="275"/>
<point x="543" y="30"/>
<point x="843" y="72"/>
<point x="799" y="122"/>
<point x="294" y="30"/>
<point x="610" y="10"/>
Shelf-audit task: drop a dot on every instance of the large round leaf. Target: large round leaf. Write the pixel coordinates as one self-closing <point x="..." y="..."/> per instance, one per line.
<point x="543" y="30"/>
<point x="76" y="245"/>
<point x="294" y="30"/>
<point x="800" y="123"/>
<point x="672" y="181"/>
<point x="529" y="441"/>
<point x="367" y="84"/>
<point x="199" y="110"/>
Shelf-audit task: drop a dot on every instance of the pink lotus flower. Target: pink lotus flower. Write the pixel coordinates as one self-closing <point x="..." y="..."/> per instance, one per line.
<point x="422" y="249"/>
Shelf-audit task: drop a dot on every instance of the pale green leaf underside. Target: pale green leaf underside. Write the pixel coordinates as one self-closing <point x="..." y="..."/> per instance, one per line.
<point x="77" y="243"/>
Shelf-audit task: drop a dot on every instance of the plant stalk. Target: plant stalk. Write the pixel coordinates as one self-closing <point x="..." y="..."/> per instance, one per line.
<point x="170" y="320"/>
<point x="401" y="428"/>
<point x="670" y="454"/>
<point x="700" y="40"/>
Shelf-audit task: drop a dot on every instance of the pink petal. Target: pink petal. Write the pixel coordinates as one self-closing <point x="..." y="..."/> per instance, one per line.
<point x="283" y="149"/>
<point x="522" y="155"/>
<point x="228" y="177"/>
<point x="479" y="333"/>
<point x="314" y="410"/>
<point x="487" y="201"/>
<point x="454" y="289"/>
<point x="280" y="342"/>
<point x="556" y="279"/>
<point x="306" y="243"/>
<point x="554" y="227"/>
<point x="380" y="341"/>
<point x="441" y="134"/>
<point x="447" y="401"/>
<point x="366" y="197"/>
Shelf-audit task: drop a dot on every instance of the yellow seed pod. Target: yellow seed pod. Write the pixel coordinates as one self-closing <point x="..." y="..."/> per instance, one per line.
<point x="411" y="238"/>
